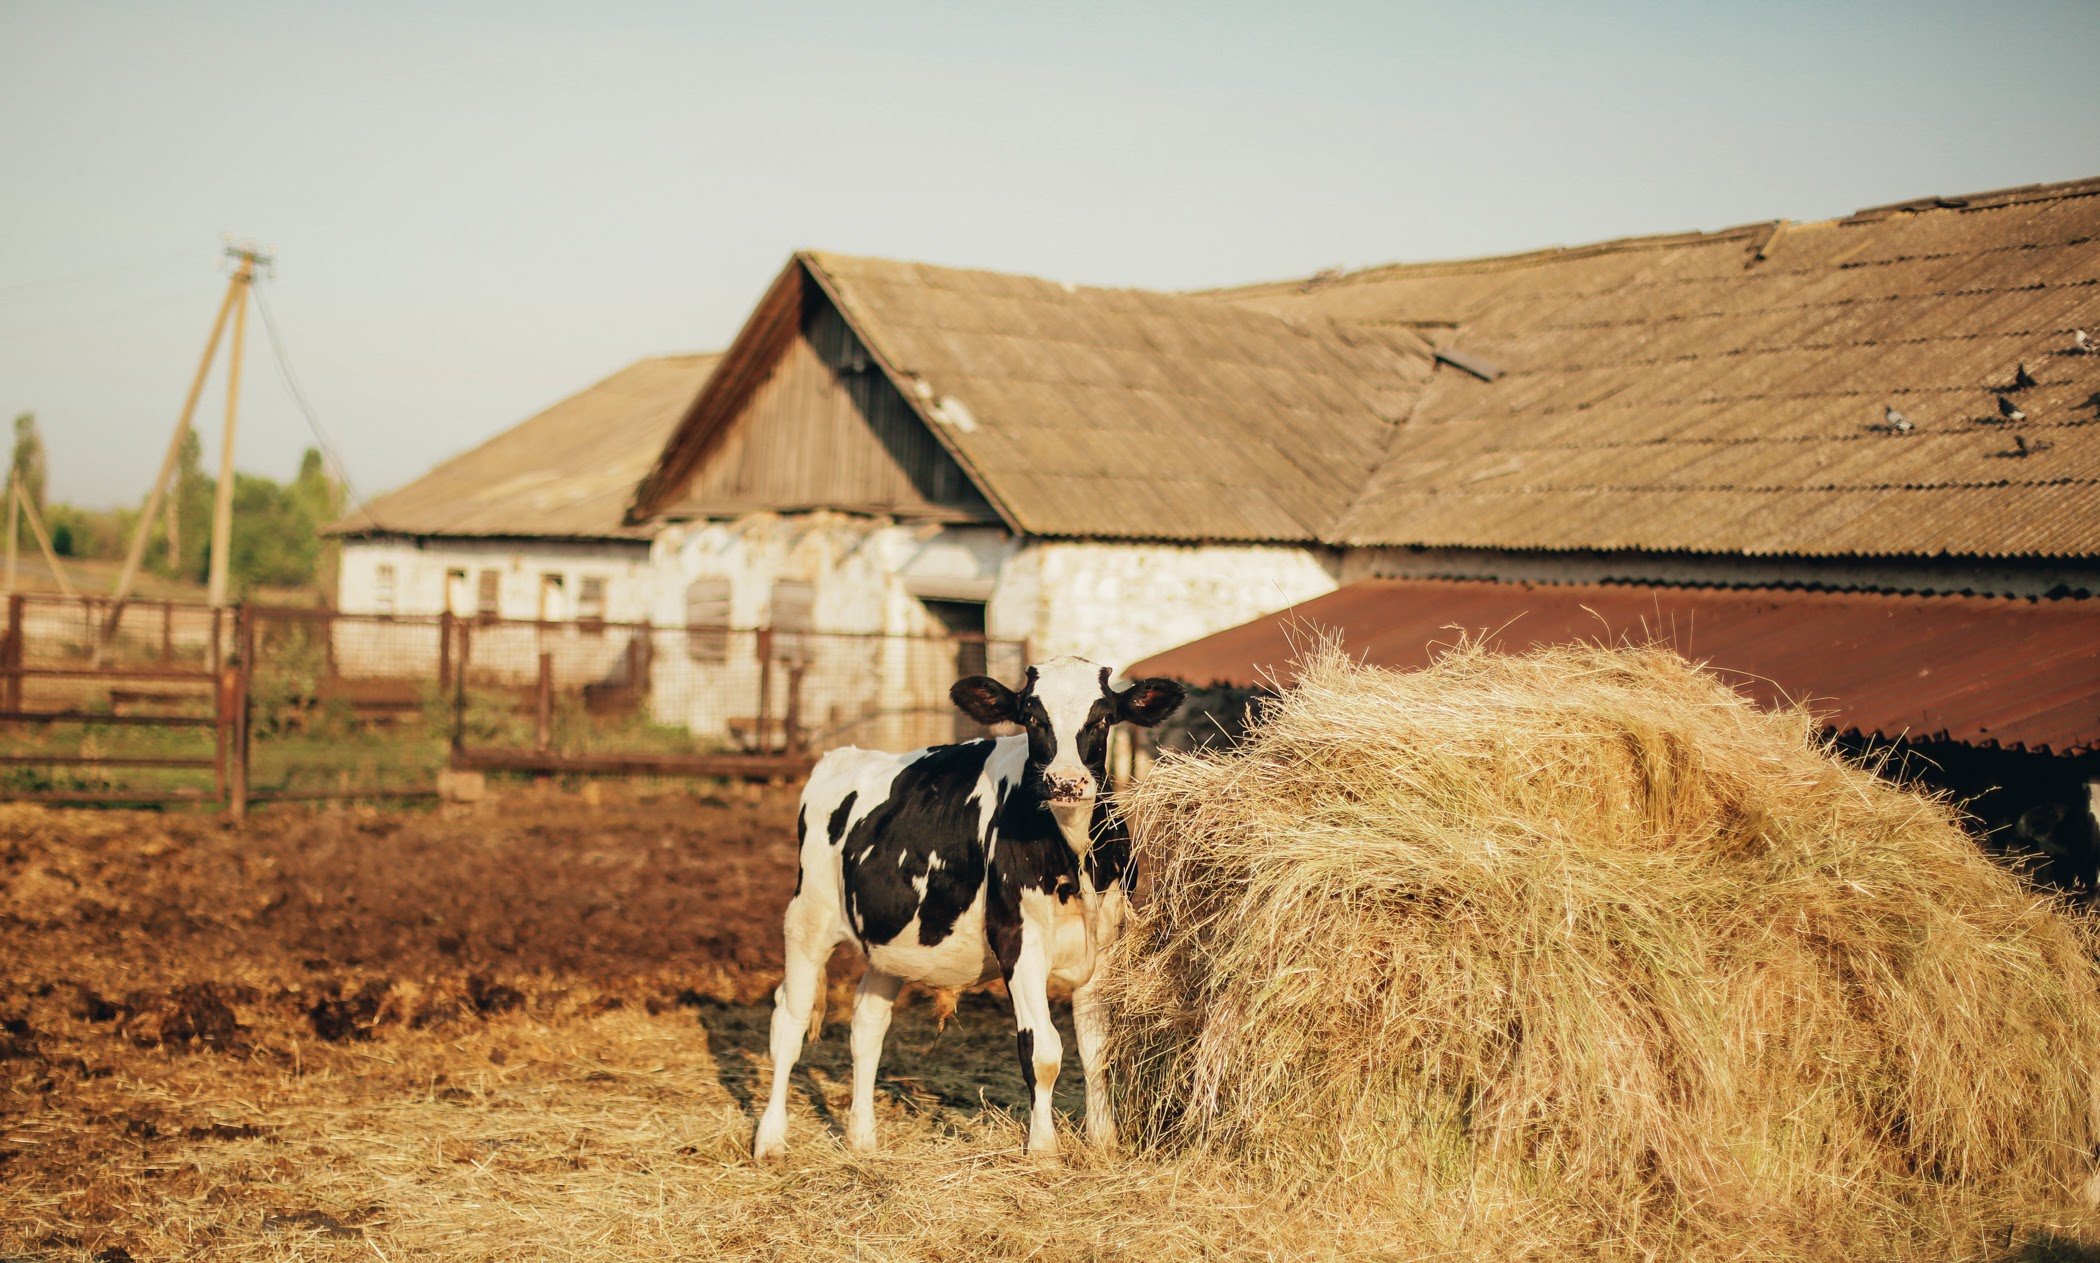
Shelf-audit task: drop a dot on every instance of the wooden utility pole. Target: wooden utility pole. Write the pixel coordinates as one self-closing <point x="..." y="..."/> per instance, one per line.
<point x="43" y="537"/>
<point x="14" y="531"/>
<point x="236" y="291"/>
<point x="222" y="503"/>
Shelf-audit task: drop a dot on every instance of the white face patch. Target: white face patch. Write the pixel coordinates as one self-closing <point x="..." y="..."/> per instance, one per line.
<point x="1068" y="687"/>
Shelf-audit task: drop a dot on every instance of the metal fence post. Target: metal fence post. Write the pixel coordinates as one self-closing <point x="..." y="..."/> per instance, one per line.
<point x="459" y="686"/>
<point x="791" y="722"/>
<point x="226" y="699"/>
<point x="762" y="739"/>
<point x="12" y="654"/>
<point x="543" y="728"/>
<point x="243" y="681"/>
<point x="444" y="652"/>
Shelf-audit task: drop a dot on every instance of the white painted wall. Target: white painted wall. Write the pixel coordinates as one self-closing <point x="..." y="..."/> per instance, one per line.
<point x="420" y="567"/>
<point x="581" y="653"/>
<point x="1117" y="603"/>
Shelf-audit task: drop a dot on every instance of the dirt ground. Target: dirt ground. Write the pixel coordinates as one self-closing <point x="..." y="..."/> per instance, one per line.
<point x="530" y="1027"/>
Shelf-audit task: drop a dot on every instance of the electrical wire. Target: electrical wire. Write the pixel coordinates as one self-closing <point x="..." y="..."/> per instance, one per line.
<point x="313" y="423"/>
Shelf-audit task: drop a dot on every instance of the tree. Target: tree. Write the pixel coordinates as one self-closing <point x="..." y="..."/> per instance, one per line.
<point x="276" y="527"/>
<point x="320" y="495"/>
<point x="29" y="464"/>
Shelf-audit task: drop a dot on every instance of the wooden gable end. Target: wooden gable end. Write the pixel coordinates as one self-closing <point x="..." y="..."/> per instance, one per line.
<point x="825" y="429"/>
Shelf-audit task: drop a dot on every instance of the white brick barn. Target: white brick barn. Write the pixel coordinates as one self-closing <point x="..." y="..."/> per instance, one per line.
<point x="908" y="450"/>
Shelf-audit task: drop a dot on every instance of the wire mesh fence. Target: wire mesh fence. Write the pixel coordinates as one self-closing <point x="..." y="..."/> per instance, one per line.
<point x="169" y="701"/>
<point x="634" y="688"/>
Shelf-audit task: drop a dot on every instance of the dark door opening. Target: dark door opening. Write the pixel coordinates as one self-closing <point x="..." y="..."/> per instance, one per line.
<point x="965" y="621"/>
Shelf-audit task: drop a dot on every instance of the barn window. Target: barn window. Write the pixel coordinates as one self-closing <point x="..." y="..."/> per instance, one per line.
<point x="793" y="616"/>
<point x="488" y="591"/>
<point x="455" y="591"/>
<point x="590" y="599"/>
<point x="707" y="619"/>
<point x="383" y="595"/>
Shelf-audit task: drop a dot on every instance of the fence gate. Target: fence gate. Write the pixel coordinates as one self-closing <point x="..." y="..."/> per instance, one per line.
<point x="102" y="704"/>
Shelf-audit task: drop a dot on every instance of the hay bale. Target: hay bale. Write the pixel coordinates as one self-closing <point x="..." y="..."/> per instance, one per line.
<point x="1580" y="951"/>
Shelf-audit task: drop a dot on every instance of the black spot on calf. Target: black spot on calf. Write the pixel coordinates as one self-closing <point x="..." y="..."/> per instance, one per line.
<point x="931" y="810"/>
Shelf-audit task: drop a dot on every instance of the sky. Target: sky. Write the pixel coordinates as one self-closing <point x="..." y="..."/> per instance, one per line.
<point x="478" y="209"/>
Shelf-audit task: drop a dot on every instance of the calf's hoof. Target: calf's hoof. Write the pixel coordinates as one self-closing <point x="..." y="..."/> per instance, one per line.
<point x="861" y="1139"/>
<point x="770" y="1144"/>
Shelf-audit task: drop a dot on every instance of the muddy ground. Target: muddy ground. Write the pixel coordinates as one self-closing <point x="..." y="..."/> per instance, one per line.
<point x="347" y="1031"/>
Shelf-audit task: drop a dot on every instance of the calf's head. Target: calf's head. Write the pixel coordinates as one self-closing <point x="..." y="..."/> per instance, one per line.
<point x="1066" y="708"/>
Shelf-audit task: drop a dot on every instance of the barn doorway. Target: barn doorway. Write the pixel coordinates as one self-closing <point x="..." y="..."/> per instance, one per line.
<point x="965" y="621"/>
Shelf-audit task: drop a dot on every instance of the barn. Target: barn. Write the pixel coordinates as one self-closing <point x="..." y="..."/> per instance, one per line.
<point x="905" y="472"/>
<point x="921" y="454"/>
<point x="1854" y="462"/>
<point x="531" y="523"/>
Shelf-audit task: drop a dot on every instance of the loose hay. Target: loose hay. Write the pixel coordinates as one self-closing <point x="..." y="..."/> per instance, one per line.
<point x="1580" y="952"/>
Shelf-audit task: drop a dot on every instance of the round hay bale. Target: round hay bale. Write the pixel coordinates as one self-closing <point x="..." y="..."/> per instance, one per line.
<point x="1582" y="951"/>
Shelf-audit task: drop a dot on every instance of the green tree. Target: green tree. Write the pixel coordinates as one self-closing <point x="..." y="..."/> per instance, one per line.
<point x="320" y="495"/>
<point x="276" y="527"/>
<point x="192" y="498"/>
<point x="29" y="464"/>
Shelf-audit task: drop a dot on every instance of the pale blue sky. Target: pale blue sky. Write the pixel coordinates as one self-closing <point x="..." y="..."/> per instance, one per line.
<point x="478" y="209"/>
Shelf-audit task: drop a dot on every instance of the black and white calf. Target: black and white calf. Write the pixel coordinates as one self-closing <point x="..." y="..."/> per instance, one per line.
<point x="952" y="864"/>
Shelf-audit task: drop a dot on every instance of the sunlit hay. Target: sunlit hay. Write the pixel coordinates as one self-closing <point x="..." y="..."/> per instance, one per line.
<point x="1584" y="947"/>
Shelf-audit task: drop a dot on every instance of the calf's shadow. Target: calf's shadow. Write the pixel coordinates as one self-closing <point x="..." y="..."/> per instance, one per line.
<point x="952" y="1074"/>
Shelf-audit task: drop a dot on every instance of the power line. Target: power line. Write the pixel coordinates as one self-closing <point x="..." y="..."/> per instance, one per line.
<point x="157" y="263"/>
<point x="313" y="423"/>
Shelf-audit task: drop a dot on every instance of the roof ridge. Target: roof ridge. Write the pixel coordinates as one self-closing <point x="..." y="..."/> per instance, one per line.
<point x="1986" y="200"/>
<point x="1491" y="262"/>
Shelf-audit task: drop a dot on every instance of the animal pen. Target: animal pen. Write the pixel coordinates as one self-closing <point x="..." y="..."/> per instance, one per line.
<point x="166" y="702"/>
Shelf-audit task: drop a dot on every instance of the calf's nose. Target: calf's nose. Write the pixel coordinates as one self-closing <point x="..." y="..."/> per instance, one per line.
<point x="1063" y="786"/>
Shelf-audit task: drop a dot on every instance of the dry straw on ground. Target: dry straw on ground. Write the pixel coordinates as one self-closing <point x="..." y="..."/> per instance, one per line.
<point x="1579" y="953"/>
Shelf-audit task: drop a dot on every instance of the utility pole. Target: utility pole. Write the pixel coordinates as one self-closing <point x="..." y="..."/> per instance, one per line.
<point x="43" y="537"/>
<point x="222" y="504"/>
<point x="14" y="531"/>
<point x="236" y="293"/>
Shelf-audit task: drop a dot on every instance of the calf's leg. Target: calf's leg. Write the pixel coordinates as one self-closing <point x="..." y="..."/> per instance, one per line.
<point x="1090" y="1024"/>
<point x="811" y="933"/>
<point x="871" y="1021"/>
<point x="1042" y="1051"/>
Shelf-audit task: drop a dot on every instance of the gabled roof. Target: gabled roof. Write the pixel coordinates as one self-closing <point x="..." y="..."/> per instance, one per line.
<point x="1982" y="670"/>
<point x="566" y="473"/>
<point x="1097" y="412"/>
<point x="1724" y="392"/>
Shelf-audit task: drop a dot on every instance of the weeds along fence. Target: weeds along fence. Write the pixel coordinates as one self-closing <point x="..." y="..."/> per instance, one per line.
<point x="166" y="702"/>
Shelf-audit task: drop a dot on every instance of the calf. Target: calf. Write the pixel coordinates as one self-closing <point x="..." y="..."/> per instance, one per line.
<point x="952" y="864"/>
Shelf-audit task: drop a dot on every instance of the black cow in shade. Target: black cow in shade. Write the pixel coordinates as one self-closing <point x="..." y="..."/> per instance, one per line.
<point x="949" y="865"/>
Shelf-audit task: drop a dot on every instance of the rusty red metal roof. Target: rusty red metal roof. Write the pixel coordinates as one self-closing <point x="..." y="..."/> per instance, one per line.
<point x="1983" y="670"/>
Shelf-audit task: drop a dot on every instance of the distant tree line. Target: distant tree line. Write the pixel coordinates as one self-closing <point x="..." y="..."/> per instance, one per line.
<point x="276" y="526"/>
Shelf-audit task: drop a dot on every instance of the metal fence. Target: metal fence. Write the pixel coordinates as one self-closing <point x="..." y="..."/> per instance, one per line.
<point x="163" y="701"/>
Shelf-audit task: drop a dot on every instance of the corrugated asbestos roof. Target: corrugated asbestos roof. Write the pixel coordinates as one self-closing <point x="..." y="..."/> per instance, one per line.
<point x="566" y="473"/>
<point x="1982" y="670"/>
<point x="1724" y="392"/>
<point x="1115" y="412"/>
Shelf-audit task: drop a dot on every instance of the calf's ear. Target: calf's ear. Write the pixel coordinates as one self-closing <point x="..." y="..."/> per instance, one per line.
<point x="1148" y="701"/>
<point x="984" y="699"/>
